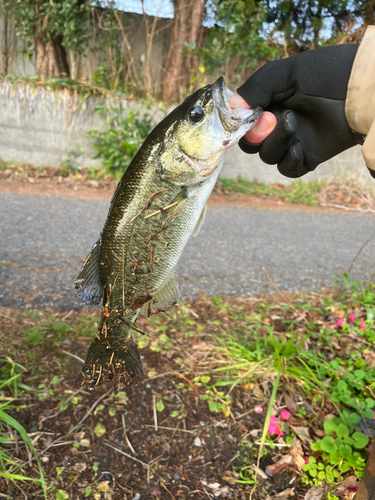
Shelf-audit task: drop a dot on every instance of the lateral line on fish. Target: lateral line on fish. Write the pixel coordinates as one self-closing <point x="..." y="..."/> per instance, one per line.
<point x="159" y="211"/>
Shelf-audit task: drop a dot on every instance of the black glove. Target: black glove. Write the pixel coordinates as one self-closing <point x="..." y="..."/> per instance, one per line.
<point x="307" y="94"/>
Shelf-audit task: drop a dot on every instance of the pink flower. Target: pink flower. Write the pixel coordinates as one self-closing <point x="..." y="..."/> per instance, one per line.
<point x="362" y="327"/>
<point x="306" y="459"/>
<point x="284" y="414"/>
<point x="258" y="409"/>
<point x="274" y="427"/>
<point x="262" y="330"/>
<point x="340" y="321"/>
<point x="351" y="318"/>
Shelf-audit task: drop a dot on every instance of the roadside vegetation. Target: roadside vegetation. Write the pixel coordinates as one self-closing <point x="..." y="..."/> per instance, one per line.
<point x="242" y="397"/>
<point x="345" y="192"/>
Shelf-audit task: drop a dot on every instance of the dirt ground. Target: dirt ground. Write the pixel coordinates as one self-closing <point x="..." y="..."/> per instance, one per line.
<point x="180" y="450"/>
<point x="66" y="188"/>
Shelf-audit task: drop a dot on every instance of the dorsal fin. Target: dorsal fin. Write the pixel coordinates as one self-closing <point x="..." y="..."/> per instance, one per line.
<point x="200" y="221"/>
<point x="88" y="283"/>
<point x="164" y="298"/>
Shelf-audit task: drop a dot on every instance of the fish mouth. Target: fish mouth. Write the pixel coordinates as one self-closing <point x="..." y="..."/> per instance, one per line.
<point x="237" y="118"/>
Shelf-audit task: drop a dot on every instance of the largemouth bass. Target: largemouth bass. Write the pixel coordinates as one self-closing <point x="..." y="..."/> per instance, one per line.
<point x="158" y="204"/>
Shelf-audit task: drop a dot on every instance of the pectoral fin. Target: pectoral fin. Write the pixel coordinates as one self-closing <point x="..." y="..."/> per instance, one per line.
<point x="164" y="298"/>
<point x="200" y="221"/>
<point x="88" y="283"/>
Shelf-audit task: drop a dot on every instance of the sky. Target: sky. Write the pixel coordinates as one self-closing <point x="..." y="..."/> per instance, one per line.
<point x="165" y="7"/>
<point x="161" y="8"/>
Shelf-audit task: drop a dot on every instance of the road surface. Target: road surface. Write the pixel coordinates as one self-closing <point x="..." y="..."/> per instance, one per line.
<point x="43" y="241"/>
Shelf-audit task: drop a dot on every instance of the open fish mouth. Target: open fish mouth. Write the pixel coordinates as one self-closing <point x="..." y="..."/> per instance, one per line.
<point x="237" y="118"/>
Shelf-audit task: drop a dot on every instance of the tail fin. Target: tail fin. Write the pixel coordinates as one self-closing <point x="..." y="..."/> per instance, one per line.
<point x="104" y="363"/>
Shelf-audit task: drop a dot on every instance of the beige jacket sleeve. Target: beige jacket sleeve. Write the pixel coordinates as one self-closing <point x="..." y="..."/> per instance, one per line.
<point x="360" y="100"/>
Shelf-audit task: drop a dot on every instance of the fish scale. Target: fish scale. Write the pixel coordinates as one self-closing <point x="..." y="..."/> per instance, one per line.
<point x="157" y="205"/>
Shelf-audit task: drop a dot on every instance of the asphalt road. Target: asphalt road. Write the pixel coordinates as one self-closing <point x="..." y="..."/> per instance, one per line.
<point x="43" y="241"/>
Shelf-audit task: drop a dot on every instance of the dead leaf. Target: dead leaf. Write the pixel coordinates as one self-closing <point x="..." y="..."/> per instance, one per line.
<point x="222" y="492"/>
<point x="105" y="487"/>
<point x="335" y="343"/>
<point x="369" y="357"/>
<point x="295" y="420"/>
<point x="214" y="486"/>
<point x="320" y="433"/>
<point x="315" y="493"/>
<point x="257" y="392"/>
<point x="294" y="458"/>
<point x="342" y="488"/>
<point x="350" y="482"/>
<point x="80" y="467"/>
<point x="279" y="466"/>
<point x="255" y="432"/>
<point x="283" y="495"/>
<point x="291" y="404"/>
<point x="297" y="454"/>
<point x="230" y="477"/>
<point x="302" y="432"/>
<point x="339" y="314"/>
<point x="242" y="427"/>
<point x="259" y="471"/>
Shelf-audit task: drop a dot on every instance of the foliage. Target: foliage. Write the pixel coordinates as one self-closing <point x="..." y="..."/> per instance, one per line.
<point x="338" y="450"/>
<point x="118" y="144"/>
<point x="218" y="401"/>
<point x="297" y="192"/>
<point x="48" y="20"/>
<point x="302" y="24"/>
<point x="235" y="45"/>
<point x="10" y="379"/>
<point x="225" y="350"/>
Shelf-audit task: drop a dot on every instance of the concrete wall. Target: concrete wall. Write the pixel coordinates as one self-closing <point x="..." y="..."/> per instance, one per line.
<point x="44" y="128"/>
<point x="251" y="167"/>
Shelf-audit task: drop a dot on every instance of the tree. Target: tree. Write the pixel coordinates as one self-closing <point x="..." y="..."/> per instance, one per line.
<point x="185" y="39"/>
<point x="49" y="28"/>
<point x="237" y="44"/>
<point x="308" y="24"/>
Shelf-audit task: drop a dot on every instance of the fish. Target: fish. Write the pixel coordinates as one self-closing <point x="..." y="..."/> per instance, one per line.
<point x="158" y="204"/>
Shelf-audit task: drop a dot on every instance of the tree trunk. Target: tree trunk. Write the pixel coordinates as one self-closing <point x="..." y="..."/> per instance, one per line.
<point x="50" y="58"/>
<point x="187" y="28"/>
<point x="370" y="8"/>
<point x="366" y="488"/>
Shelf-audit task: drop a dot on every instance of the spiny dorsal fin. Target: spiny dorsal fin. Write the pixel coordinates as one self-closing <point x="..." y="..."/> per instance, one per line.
<point x="200" y="221"/>
<point x="164" y="298"/>
<point x="88" y="283"/>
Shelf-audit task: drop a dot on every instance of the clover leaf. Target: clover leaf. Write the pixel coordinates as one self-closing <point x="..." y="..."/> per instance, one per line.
<point x="328" y="444"/>
<point x="360" y="440"/>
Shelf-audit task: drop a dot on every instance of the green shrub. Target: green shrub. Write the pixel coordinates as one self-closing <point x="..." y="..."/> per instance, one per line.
<point x="124" y="135"/>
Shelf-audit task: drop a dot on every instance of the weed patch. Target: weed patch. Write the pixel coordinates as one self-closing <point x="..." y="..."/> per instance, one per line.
<point x="247" y="394"/>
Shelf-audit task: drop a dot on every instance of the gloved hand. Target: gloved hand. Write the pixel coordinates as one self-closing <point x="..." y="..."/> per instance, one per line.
<point x="307" y="95"/>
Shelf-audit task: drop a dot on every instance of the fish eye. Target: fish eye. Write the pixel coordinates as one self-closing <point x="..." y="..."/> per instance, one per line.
<point x="196" y="114"/>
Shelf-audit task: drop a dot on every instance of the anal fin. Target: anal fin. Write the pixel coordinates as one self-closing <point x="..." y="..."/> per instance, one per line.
<point x="88" y="283"/>
<point x="165" y="297"/>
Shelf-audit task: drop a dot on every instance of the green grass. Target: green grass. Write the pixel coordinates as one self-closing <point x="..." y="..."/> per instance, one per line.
<point x="50" y="331"/>
<point x="82" y="89"/>
<point x="240" y="347"/>
<point x="298" y="355"/>
<point x="297" y="192"/>
<point x="11" y="381"/>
